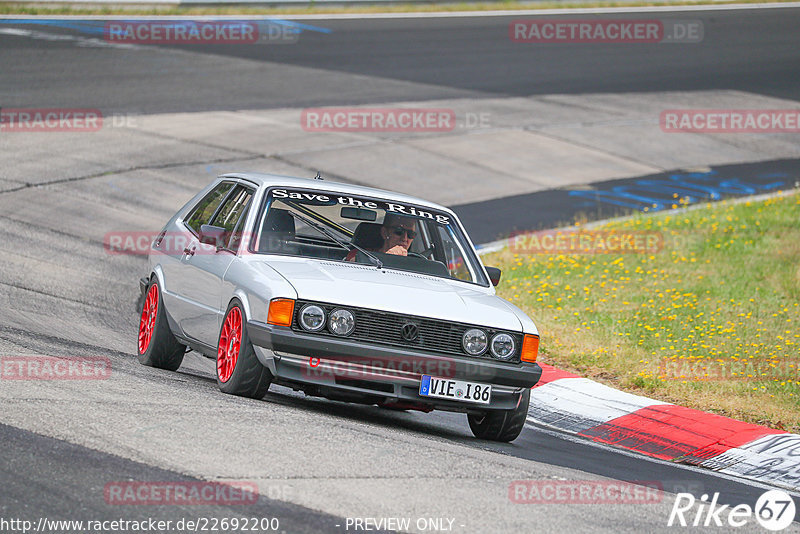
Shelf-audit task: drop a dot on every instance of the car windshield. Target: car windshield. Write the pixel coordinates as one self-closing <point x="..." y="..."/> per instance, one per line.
<point x="363" y="230"/>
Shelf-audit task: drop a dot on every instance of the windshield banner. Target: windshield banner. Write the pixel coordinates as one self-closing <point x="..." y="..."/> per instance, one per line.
<point x="311" y="197"/>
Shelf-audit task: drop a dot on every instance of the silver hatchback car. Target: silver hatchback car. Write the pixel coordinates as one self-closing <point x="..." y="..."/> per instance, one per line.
<point x="340" y="291"/>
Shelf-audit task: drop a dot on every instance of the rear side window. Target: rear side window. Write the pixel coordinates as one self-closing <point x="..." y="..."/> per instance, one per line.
<point x="205" y="209"/>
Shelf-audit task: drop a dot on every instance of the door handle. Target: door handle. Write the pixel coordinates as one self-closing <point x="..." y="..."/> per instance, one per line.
<point x="189" y="252"/>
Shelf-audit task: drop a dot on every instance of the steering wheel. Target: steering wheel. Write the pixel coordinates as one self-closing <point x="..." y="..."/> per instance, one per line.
<point x="423" y="253"/>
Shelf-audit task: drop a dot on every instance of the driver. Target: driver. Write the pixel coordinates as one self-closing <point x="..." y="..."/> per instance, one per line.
<point x="397" y="233"/>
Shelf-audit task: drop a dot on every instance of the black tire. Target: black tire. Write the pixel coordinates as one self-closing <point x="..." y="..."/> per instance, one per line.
<point x="501" y="425"/>
<point x="162" y="349"/>
<point x="248" y="378"/>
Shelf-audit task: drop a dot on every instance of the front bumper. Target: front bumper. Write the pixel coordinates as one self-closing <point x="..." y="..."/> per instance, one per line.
<point x="393" y="373"/>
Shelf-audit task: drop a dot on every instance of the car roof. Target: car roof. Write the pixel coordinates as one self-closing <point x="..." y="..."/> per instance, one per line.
<point x="269" y="180"/>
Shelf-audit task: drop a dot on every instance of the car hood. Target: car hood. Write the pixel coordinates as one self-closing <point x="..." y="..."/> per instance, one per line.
<point x="402" y="292"/>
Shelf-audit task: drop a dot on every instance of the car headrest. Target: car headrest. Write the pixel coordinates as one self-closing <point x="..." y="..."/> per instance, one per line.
<point x="277" y="231"/>
<point x="278" y="220"/>
<point x="368" y="235"/>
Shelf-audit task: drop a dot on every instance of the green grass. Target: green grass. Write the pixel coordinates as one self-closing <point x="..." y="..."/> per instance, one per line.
<point x="314" y="8"/>
<point x="711" y="321"/>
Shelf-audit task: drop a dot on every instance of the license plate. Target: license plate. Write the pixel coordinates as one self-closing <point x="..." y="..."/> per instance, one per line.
<point x="445" y="388"/>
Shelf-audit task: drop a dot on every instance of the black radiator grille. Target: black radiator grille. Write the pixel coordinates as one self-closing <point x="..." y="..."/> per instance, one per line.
<point x="384" y="328"/>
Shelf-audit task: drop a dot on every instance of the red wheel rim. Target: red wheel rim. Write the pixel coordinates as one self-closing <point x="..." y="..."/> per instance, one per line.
<point x="230" y="340"/>
<point x="148" y="320"/>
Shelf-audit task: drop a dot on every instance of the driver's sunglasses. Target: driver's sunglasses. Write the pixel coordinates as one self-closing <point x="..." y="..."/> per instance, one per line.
<point x="399" y="231"/>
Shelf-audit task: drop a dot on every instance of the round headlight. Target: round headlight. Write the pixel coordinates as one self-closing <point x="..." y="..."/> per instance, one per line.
<point x="341" y="322"/>
<point x="474" y="341"/>
<point x="312" y="317"/>
<point x="503" y="346"/>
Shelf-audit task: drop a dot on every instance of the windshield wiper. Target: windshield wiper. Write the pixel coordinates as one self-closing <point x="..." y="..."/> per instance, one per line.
<point x="343" y="244"/>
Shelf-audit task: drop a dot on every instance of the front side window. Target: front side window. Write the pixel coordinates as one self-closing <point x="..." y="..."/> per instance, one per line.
<point x="232" y="215"/>
<point x="456" y="262"/>
<point x="230" y="212"/>
<point x="201" y="214"/>
<point x="326" y="225"/>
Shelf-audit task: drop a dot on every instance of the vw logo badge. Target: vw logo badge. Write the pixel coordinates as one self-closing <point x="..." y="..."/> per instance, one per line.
<point x="409" y="332"/>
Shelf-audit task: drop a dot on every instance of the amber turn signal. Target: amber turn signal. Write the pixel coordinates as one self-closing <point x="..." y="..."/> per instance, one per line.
<point x="530" y="348"/>
<point x="280" y="312"/>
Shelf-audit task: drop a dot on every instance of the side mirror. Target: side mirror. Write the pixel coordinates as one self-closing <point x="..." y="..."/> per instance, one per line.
<point x="212" y="235"/>
<point x="494" y="274"/>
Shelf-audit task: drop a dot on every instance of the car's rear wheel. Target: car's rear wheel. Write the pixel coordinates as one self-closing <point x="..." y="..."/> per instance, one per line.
<point x="157" y="346"/>
<point x="238" y="370"/>
<point x="501" y="425"/>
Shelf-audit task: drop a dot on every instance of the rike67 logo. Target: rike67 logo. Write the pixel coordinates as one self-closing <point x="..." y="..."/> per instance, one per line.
<point x="774" y="510"/>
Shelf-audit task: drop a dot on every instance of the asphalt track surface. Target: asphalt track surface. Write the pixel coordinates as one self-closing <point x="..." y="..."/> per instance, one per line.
<point x="63" y="295"/>
<point x="342" y="62"/>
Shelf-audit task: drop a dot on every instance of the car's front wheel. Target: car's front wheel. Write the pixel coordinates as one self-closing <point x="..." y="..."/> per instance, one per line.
<point x="157" y="346"/>
<point x="501" y="425"/>
<point x="238" y="370"/>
